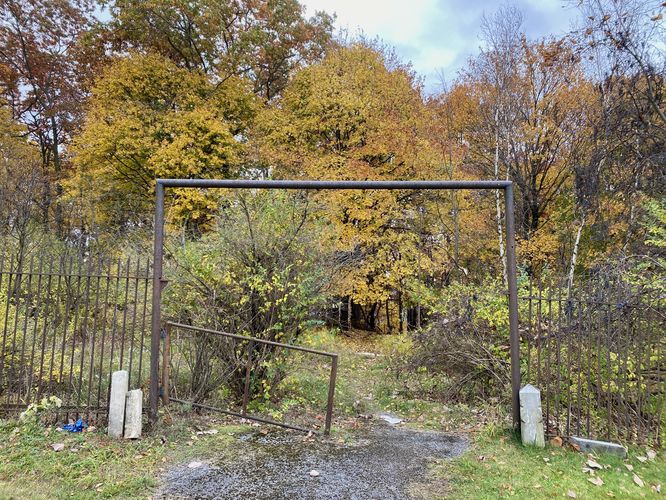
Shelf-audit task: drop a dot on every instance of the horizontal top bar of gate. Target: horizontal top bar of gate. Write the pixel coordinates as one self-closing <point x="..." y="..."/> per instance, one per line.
<point x="254" y="339"/>
<point x="277" y="184"/>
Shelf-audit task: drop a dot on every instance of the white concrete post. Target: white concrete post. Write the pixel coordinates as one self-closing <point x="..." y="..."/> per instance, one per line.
<point x="531" y="417"/>
<point x="133" y="413"/>
<point x="119" y="385"/>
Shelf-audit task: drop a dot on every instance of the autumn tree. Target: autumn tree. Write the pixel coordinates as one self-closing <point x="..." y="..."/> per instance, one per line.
<point x="148" y="118"/>
<point x="40" y="78"/>
<point x="359" y="115"/>
<point x="528" y="125"/>
<point x="19" y="200"/>
<point x="621" y="45"/>
<point x="262" y="40"/>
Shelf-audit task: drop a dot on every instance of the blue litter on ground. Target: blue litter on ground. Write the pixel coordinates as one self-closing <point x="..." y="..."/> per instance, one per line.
<point x="77" y="427"/>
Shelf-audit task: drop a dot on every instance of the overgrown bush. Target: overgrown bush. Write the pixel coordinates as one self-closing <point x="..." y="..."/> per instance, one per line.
<point x="467" y="341"/>
<point x="259" y="274"/>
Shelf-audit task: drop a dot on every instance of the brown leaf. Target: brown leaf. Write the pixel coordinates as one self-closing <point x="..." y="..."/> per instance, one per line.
<point x="638" y="481"/>
<point x="556" y="441"/>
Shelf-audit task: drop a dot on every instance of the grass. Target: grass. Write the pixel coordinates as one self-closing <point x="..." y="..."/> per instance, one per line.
<point x="91" y="465"/>
<point x="498" y="466"/>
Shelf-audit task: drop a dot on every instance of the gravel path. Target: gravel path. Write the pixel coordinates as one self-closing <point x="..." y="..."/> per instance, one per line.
<point x="382" y="463"/>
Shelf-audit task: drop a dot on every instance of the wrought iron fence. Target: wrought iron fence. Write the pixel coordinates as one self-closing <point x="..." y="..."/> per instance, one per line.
<point x="597" y="355"/>
<point x="66" y="323"/>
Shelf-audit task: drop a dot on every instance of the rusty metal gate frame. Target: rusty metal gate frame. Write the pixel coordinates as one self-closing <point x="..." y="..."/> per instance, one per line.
<point x="158" y="281"/>
<point x="248" y="370"/>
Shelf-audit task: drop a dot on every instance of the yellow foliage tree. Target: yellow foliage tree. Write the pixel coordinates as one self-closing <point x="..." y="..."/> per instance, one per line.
<point x="147" y="119"/>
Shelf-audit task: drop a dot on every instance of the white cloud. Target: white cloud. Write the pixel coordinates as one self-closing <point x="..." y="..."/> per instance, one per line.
<point x="396" y="21"/>
<point x="436" y="36"/>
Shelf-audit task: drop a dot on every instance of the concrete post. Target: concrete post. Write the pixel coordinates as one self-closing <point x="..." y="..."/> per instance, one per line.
<point x="531" y="417"/>
<point x="133" y="414"/>
<point x="119" y="385"/>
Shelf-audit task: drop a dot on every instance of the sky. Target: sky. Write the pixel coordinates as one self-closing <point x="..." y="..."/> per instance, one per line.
<point x="438" y="36"/>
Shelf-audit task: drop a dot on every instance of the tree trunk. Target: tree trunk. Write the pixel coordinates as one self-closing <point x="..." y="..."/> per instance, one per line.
<point x="574" y="256"/>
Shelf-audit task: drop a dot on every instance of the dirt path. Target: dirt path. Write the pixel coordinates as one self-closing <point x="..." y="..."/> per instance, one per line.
<point x="383" y="462"/>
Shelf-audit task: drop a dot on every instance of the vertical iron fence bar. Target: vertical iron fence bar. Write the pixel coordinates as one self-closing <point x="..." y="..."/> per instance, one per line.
<point x="609" y="367"/>
<point x="539" y="334"/>
<point x="660" y="401"/>
<point x="126" y="304"/>
<point x="331" y="394"/>
<point x="56" y="318"/>
<point x="648" y="365"/>
<point x="100" y="373"/>
<point x="84" y="331"/>
<point x="28" y="301"/>
<point x="146" y="283"/>
<point x="558" y="362"/>
<point x="549" y="331"/>
<point x="75" y="325"/>
<point x="10" y="276"/>
<point x="529" y="330"/>
<point x="113" y="324"/>
<point x="36" y="312"/>
<point x="135" y="305"/>
<point x="599" y="314"/>
<point x="569" y="311"/>
<point x="579" y="343"/>
<point x="49" y="282"/>
<point x="91" y="369"/>
<point x="638" y="350"/>
<point x="67" y="279"/>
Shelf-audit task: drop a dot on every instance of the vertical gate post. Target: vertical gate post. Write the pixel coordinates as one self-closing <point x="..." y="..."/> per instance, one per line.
<point x="157" y="301"/>
<point x="513" y="304"/>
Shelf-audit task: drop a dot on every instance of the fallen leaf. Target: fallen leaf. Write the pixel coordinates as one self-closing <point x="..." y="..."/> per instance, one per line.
<point x="593" y="465"/>
<point x="629" y="467"/>
<point x="556" y="441"/>
<point x="571" y="494"/>
<point x="638" y="481"/>
<point x="58" y="446"/>
<point x="596" y="480"/>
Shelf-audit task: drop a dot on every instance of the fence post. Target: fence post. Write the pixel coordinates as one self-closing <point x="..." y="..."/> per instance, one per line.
<point x="248" y="371"/>
<point x="157" y="299"/>
<point x="513" y="305"/>
<point x="331" y="394"/>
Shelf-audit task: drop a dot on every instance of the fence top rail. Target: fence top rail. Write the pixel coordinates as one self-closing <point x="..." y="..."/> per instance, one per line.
<point x="284" y="184"/>
<point x="253" y="339"/>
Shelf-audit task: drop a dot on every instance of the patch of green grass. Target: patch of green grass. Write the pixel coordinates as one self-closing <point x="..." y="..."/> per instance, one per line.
<point x="499" y="467"/>
<point x="91" y="465"/>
